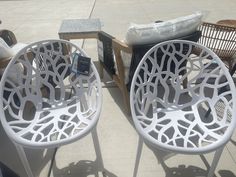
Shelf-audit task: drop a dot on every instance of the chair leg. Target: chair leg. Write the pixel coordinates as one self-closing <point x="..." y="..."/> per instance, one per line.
<point x="97" y="149"/>
<point x="24" y="159"/>
<point x="185" y="81"/>
<point x="215" y="161"/>
<point x="126" y="98"/>
<point x="138" y="156"/>
<point x="100" y="70"/>
<point x="231" y="63"/>
<point x="233" y="69"/>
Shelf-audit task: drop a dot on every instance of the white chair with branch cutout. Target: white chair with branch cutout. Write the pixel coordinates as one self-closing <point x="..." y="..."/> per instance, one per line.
<point x="48" y="105"/>
<point x="194" y="119"/>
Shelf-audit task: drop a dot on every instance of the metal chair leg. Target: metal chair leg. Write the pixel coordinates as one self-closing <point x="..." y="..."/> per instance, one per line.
<point x="138" y="156"/>
<point x="215" y="162"/>
<point x="24" y="160"/>
<point x="97" y="149"/>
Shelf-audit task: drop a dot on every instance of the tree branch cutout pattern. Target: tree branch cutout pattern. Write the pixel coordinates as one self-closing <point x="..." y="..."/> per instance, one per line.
<point x="43" y="100"/>
<point x="180" y="100"/>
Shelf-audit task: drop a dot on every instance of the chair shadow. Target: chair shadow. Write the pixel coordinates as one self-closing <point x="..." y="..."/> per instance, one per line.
<point x="38" y="158"/>
<point x="83" y="168"/>
<point x="186" y="171"/>
<point x="42" y="156"/>
<point x="233" y="142"/>
<point x="114" y="91"/>
<point x="182" y="170"/>
<point x="118" y="99"/>
<point x="226" y="173"/>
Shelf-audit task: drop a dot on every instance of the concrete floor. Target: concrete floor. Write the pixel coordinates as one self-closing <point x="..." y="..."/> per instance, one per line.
<point x="33" y="20"/>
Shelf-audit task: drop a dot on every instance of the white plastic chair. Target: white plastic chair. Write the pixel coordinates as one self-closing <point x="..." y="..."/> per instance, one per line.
<point x="48" y="105"/>
<point x="194" y="119"/>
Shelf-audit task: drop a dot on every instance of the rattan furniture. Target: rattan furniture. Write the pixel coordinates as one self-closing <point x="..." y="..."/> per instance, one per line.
<point x="172" y="118"/>
<point x="111" y="55"/>
<point x="221" y="39"/>
<point x="227" y="22"/>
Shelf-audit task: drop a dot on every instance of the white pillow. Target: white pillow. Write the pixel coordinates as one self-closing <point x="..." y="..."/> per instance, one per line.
<point x="5" y="50"/>
<point x="157" y="32"/>
<point x="17" y="47"/>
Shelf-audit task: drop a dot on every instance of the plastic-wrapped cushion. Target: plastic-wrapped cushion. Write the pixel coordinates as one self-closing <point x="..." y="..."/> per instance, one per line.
<point x="5" y="50"/>
<point x="17" y="47"/>
<point x="138" y="34"/>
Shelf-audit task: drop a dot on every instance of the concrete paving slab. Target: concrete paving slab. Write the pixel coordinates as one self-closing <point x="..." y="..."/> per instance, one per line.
<point x="33" y="20"/>
<point x="231" y="147"/>
<point x="8" y="155"/>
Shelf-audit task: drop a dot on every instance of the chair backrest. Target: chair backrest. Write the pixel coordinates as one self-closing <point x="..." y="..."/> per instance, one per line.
<point x="48" y="103"/>
<point x="219" y="38"/>
<point x="173" y="117"/>
<point x="140" y="50"/>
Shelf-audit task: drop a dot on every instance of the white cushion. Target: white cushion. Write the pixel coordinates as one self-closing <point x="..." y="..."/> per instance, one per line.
<point x="17" y="47"/>
<point x="5" y="50"/>
<point x="157" y="32"/>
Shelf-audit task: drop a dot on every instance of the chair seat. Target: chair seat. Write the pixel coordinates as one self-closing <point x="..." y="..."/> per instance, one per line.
<point x="49" y="104"/>
<point x="54" y="122"/>
<point x="187" y="131"/>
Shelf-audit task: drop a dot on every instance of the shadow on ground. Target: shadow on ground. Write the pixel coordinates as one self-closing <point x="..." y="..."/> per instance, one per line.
<point x="114" y="91"/>
<point x="184" y="170"/>
<point x="82" y="168"/>
<point x="226" y="173"/>
<point x="232" y="141"/>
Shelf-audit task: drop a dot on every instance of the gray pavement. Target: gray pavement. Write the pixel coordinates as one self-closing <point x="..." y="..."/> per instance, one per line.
<point x="33" y="20"/>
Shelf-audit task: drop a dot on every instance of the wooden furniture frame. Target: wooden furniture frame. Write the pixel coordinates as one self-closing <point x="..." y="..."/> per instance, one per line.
<point x="112" y="48"/>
